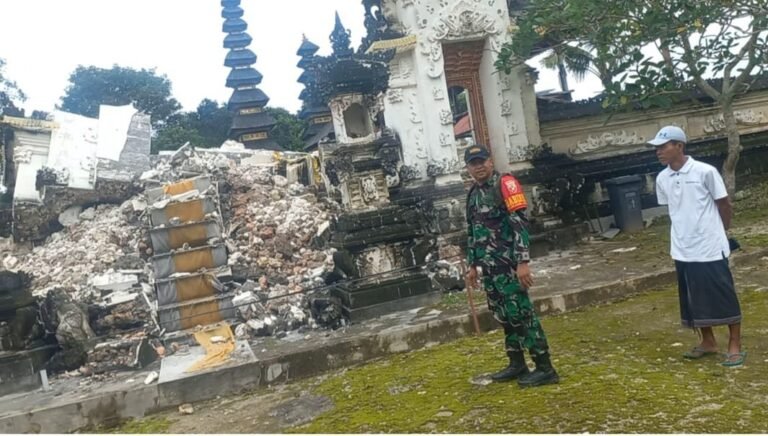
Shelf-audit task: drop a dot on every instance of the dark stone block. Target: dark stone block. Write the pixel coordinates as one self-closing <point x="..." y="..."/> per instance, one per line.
<point x="368" y="312"/>
<point x="19" y="371"/>
<point x="369" y="292"/>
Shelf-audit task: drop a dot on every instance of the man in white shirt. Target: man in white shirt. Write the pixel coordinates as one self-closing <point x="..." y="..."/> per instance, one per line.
<point x="701" y="212"/>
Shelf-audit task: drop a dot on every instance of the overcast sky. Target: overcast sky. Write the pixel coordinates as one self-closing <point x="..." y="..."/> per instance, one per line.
<point x="43" y="41"/>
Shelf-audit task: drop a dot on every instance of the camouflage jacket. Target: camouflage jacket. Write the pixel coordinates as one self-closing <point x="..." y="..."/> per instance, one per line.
<point x="495" y="237"/>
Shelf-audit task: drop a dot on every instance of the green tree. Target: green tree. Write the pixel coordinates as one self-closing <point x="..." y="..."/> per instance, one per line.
<point x="90" y="87"/>
<point x="40" y="115"/>
<point x="288" y="129"/>
<point x="650" y="53"/>
<point x="10" y="94"/>
<point x="205" y="127"/>
<point x="208" y="126"/>
<point x="212" y="120"/>
<point x="171" y="137"/>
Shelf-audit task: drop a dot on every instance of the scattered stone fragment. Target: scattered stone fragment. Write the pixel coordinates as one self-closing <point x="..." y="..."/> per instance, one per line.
<point x="151" y="378"/>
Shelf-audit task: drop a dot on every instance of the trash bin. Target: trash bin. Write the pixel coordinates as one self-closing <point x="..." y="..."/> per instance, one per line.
<point x="624" y="193"/>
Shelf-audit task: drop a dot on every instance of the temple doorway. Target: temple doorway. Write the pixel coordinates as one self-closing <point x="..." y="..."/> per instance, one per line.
<point x="462" y="72"/>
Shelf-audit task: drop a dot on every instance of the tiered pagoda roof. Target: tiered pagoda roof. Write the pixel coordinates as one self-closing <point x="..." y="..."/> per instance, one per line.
<point x="314" y="110"/>
<point x="251" y="125"/>
<point x="343" y="72"/>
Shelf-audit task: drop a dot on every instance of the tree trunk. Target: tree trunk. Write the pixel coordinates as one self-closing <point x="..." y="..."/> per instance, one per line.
<point x="734" y="148"/>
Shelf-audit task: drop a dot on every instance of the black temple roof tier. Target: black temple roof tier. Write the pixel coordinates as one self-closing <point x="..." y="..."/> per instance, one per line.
<point x="233" y="12"/>
<point x="247" y="98"/>
<point x="257" y="122"/>
<point x="240" y="58"/>
<point x="347" y="76"/>
<point x="251" y="124"/>
<point x="307" y="48"/>
<point x="324" y="131"/>
<point x="243" y="77"/>
<point x="237" y="40"/>
<point x="234" y="25"/>
<point x="313" y="113"/>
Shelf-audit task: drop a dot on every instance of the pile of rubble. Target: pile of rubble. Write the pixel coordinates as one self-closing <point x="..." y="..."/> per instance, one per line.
<point x="274" y="233"/>
<point x="94" y="283"/>
<point x="97" y="239"/>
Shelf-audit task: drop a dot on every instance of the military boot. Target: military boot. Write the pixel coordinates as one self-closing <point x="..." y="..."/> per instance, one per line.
<point x="544" y="374"/>
<point x="516" y="368"/>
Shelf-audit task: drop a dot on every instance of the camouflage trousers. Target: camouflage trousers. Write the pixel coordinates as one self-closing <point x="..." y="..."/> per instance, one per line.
<point x="513" y="309"/>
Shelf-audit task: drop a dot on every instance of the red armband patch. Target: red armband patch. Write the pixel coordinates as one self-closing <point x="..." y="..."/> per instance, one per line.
<point x="512" y="193"/>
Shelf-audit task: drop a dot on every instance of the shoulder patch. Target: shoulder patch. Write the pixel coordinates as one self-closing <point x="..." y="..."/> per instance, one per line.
<point x="512" y="193"/>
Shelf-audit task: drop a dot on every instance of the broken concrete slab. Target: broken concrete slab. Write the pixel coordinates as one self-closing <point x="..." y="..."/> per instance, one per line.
<point x="114" y="281"/>
<point x="70" y="216"/>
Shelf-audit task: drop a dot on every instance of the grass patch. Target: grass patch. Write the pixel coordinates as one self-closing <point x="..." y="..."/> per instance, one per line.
<point x="620" y="367"/>
<point x="454" y="300"/>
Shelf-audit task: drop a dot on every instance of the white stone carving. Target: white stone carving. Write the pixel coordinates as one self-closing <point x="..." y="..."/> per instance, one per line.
<point x="438" y="94"/>
<point x="512" y="128"/>
<point x="516" y="154"/>
<point x="433" y="51"/>
<point x="505" y="81"/>
<point x="375" y="106"/>
<point x="596" y="142"/>
<point x="422" y="22"/>
<point x="369" y="190"/>
<point x="415" y="117"/>
<point x="22" y="155"/>
<point x="744" y="117"/>
<point x="446" y="117"/>
<point x="393" y="180"/>
<point x="399" y="73"/>
<point x="395" y="95"/>
<point x="463" y="21"/>
<point x="460" y="22"/>
<point x="338" y="106"/>
<point x="506" y="108"/>
<point x="445" y="139"/>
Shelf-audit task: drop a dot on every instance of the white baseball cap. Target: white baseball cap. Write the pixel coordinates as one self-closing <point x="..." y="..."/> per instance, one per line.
<point x="668" y="133"/>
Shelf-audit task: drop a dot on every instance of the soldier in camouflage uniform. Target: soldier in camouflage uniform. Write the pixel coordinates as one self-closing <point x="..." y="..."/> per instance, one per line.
<point x="498" y="243"/>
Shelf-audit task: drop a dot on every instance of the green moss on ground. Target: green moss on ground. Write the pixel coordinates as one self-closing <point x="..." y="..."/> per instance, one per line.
<point x="453" y="300"/>
<point x="620" y="367"/>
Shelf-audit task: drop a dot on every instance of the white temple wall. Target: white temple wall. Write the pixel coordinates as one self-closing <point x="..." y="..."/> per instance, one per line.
<point x="417" y="105"/>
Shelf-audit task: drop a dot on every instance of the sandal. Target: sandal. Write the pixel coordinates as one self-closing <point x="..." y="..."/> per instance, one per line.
<point x="697" y="353"/>
<point x="734" y="359"/>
